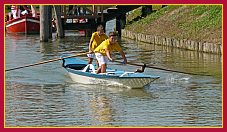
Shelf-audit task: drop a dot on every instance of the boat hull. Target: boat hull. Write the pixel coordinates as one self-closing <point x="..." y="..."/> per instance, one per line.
<point x="24" y="24"/>
<point x="110" y="80"/>
<point x="121" y="82"/>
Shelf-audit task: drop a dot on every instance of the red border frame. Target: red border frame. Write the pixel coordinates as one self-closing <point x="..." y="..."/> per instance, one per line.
<point x="99" y="2"/>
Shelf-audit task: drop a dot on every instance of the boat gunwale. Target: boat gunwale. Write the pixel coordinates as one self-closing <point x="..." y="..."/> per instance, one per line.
<point x="21" y="18"/>
<point x="101" y="76"/>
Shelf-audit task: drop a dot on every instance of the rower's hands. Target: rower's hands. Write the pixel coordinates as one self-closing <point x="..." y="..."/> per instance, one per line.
<point x="124" y="62"/>
<point x="90" y="52"/>
<point x="111" y="59"/>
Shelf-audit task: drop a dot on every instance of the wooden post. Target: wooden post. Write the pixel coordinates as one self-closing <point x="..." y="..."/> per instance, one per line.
<point x="50" y="20"/>
<point x="120" y="23"/>
<point x="57" y="11"/>
<point x="44" y="24"/>
<point x="63" y="10"/>
<point x="146" y="10"/>
<point x="94" y="10"/>
<point x="102" y="16"/>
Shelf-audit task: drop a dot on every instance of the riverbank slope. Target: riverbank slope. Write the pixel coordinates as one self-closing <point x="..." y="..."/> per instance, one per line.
<point x="197" y="23"/>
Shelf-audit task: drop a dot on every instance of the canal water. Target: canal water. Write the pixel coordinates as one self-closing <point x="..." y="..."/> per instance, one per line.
<point x="45" y="96"/>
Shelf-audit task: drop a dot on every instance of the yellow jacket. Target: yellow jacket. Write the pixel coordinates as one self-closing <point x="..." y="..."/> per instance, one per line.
<point x="106" y="45"/>
<point x="97" y="40"/>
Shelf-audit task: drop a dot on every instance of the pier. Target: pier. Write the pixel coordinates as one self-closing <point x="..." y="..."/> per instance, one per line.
<point x="81" y="17"/>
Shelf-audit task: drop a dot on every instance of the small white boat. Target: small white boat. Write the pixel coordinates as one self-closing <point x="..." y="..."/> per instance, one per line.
<point x="84" y="73"/>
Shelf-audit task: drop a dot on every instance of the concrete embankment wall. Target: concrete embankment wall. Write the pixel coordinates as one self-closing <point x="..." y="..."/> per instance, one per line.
<point x="178" y="43"/>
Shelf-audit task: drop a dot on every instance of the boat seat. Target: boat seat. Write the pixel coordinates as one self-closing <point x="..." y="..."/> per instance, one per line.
<point x="126" y="74"/>
<point x="75" y="66"/>
<point x="88" y="68"/>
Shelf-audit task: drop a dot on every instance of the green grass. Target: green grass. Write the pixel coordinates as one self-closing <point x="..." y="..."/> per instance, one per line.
<point x="193" y="22"/>
<point x="133" y="15"/>
<point x="157" y="14"/>
<point x="208" y="17"/>
<point x="138" y="25"/>
<point x="138" y="12"/>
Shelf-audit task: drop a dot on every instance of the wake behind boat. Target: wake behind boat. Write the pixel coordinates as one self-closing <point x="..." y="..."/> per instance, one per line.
<point x="84" y="73"/>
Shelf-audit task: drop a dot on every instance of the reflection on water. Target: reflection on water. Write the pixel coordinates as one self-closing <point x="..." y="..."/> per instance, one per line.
<point x="45" y="95"/>
<point x="101" y="109"/>
<point x="177" y="59"/>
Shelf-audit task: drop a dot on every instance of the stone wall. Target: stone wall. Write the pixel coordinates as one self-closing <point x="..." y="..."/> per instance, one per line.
<point x="183" y="43"/>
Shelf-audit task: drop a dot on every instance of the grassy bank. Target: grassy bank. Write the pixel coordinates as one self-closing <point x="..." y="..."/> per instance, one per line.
<point x="192" y="22"/>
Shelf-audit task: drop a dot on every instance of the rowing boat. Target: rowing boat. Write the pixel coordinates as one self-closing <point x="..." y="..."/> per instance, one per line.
<point x="84" y="73"/>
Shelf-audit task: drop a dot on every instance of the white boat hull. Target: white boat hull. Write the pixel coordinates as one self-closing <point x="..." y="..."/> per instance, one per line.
<point x="122" y="82"/>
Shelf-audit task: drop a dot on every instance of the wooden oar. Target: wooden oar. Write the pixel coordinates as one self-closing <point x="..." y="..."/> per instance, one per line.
<point x="43" y="62"/>
<point x="65" y="51"/>
<point x="154" y="67"/>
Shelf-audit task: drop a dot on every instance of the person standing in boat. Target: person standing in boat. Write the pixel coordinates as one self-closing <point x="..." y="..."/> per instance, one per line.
<point x="104" y="50"/>
<point x="96" y="39"/>
<point x="15" y="11"/>
<point x="33" y="9"/>
<point x="24" y="10"/>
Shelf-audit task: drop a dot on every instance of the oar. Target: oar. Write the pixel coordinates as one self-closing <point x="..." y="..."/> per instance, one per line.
<point x="154" y="67"/>
<point x="65" y="50"/>
<point x="47" y="61"/>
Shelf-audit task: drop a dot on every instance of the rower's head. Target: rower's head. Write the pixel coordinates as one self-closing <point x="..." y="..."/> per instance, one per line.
<point x="100" y="29"/>
<point x="113" y="37"/>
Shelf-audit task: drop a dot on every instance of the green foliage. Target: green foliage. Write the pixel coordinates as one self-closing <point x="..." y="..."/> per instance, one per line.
<point x="7" y="8"/>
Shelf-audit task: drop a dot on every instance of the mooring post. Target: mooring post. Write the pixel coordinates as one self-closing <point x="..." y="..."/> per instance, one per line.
<point x="44" y="24"/>
<point x="120" y="23"/>
<point x="50" y="20"/>
<point x="57" y="11"/>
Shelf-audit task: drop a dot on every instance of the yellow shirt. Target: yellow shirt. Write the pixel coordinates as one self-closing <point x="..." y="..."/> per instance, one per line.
<point x="97" y="40"/>
<point x="106" y="45"/>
